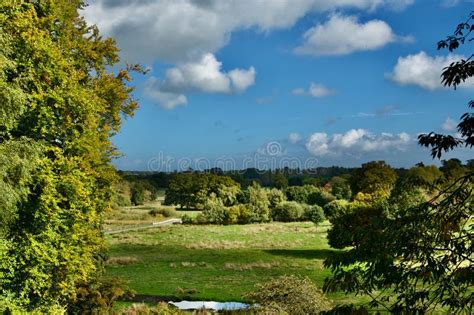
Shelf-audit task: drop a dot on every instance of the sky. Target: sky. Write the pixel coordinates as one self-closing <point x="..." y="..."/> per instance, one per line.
<point x="274" y="83"/>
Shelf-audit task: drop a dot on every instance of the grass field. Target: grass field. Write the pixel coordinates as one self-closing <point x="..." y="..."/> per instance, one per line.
<point x="218" y="263"/>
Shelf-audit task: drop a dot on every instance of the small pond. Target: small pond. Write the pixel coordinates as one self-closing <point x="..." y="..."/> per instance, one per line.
<point x="217" y="306"/>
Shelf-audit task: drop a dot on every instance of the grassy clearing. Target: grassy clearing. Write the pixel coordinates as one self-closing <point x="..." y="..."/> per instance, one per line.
<point x="219" y="262"/>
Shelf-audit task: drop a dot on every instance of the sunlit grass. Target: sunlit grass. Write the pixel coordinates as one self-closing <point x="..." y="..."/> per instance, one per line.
<point x="220" y="263"/>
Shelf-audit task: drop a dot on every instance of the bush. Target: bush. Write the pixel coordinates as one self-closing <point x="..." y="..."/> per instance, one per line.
<point x="165" y="212"/>
<point x="335" y="208"/>
<point x="320" y="198"/>
<point x="137" y="195"/>
<point x="300" y="193"/>
<point x="98" y="296"/>
<point x="258" y="204"/>
<point x="122" y="200"/>
<point x="292" y="294"/>
<point x="238" y="214"/>
<point x="288" y="211"/>
<point x="187" y="219"/>
<point x="161" y="308"/>
<point x="275" y="197"/>
<point x="214" y="211"/>
<point x="314" y="214"/>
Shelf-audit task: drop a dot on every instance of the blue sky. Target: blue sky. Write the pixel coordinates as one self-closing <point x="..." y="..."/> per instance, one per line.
<point x="330" y="82"/>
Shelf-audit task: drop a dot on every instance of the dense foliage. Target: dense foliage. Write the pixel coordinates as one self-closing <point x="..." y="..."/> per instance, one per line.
<point x="190" y="190"/>
<point x="416" y="256"/>
<point x="290" y="294"/>
<point x="59" y="107"/>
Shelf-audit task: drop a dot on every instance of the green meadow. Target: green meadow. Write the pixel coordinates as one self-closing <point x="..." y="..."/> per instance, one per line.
<point x="217" y="262"/>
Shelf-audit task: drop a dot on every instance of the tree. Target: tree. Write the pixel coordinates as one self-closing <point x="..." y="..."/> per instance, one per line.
<point x="137" y="194"/>
<point x="372" y="177"/>
<point x="192" y="189"/>
<point x="340" y="188"/>
<point x="422" y="256"/>
<point x="427" y="177"/>
<point x="275" y="197"/>
<point x="288" y="211"/>
<point x="60" y="104"/>
<point x="320" y="198"/>
<point x="454" y="75"/>
<point x="300" y="193"/>
<point x="279" y="180"/>
<point x="258" y="204"/>
<point x="452" y="168"/>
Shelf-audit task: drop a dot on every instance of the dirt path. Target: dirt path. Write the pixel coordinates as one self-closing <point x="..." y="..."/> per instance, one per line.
<point x="144" y="227"/>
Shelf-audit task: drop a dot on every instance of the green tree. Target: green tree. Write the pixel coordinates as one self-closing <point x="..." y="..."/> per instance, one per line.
<point x="191" y="190"/>
<point x="288" y="211"/>
<point x="275" y="197"/>
<point x="340" y="188"/>
<point x="279" y="180"/>
<point x="258" y="203"/>
<point x="427" y="177"/>
<point x="372" y="177"/>
<point x="60" y="104"/>
<point x="422" y="256"/>
<point x="137" y="194"/>
<point x="300" y="193"/>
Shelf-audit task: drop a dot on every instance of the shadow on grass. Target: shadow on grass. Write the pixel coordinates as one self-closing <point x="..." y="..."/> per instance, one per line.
<point x="304" y="253"/>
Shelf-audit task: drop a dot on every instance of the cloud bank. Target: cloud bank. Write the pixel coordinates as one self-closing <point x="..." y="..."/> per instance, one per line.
<point x="355" y="141"/>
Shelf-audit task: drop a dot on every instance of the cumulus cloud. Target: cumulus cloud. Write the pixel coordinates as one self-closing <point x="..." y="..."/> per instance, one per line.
<point x="342" y="35"/>
<point x="294" y="137"/>
<point x="314" y="90"/>
<point x="205" y="75"/>
<point x="423" y="70"/>
<point x="173" y="31"/>
<point x="167" y="100"/>
<point x="355" y="141"/>
<point x="449" y="124"/>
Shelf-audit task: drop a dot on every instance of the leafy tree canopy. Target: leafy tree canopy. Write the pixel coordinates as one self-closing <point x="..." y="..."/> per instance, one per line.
<point x="60" y="105"/>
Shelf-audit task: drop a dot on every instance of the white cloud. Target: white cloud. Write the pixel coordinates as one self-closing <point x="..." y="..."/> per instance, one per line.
<point x="449" y="124"/>
<point x="423" y="70"/>
<point x="355" y="141"/>
<point x="317" y="144"/>
<point x="205" y="76"/>
<point x="294" y="137"/>
<point x="167" y="100"/>
<point x="342" y="35"/>
<point x="179" y="30"/>
<point x="314" y="90"/>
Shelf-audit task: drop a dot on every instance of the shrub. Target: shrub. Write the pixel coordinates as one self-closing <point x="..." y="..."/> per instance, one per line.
<point x="122" y="200"/>
<point x="288" y="211"/>
<point x="300" y="193"/>
<point x="201" y="219"/>
<point x="214" y="210"/>
<point x="314" y="214"/>
<point x="275" y="197"/>
<point x="320" y="198"/>
<point x="245" y="215"/>
<point x="98" y="296"/>
<point x="137" y="195"/>
<point x="161" y="308"/>
<point x="165" y="212"/>
<point x="187" y="219"/>
<point x="334" y="208"/>
<point x="292" y="294"/>
<point x="258" y="204"/>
